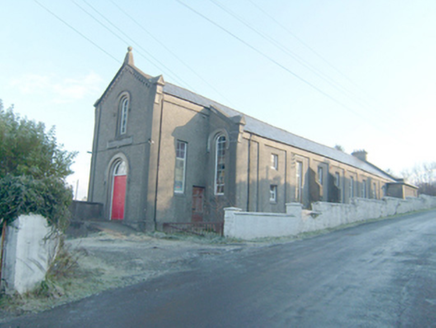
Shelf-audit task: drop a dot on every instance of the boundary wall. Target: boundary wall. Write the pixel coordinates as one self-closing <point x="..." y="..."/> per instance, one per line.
<point x="252" y="225"/>
<point x="30" y="247"/>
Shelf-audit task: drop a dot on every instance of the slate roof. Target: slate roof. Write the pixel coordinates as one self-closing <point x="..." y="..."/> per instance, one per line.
<point x="263" y="129"/>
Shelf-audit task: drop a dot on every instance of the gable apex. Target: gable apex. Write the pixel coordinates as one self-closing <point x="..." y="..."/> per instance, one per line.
<point x="129" y="66"/>
<point x="128" y="60"/>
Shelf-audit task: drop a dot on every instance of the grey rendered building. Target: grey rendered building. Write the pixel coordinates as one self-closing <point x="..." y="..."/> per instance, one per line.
<point x="162" y="153"/>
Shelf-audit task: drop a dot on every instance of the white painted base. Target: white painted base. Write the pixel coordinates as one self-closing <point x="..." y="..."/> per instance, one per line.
<point x="29" y="250"/>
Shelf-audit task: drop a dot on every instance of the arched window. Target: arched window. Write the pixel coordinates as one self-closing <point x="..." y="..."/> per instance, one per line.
<point x="123" y="114"/>
<point x="120" y="168"/>
<point x="220" y="165"/>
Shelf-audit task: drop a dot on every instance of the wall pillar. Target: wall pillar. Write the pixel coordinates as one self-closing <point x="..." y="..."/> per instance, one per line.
<point x="294" y="209"/>
<point x="229" y="219"/>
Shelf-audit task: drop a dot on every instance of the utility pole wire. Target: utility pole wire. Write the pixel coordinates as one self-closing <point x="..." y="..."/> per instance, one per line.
<point x="75" y="30"/>
<point x="271" y="60"/>
<point x="292" y="54"/>
<point x="122" y="40"/>
<point x="166" y="48"/>
<point x="374" y="124"/>
<point x="303" y="43"/>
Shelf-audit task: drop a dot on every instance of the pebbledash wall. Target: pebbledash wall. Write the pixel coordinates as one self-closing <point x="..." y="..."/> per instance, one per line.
<point x="249" y="225"/>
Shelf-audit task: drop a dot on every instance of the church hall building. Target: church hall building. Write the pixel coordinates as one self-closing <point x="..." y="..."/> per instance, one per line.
<point x="162" y="153"/>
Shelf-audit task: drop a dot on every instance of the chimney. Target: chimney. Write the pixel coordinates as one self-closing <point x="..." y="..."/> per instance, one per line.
<point x="360" y="154"/>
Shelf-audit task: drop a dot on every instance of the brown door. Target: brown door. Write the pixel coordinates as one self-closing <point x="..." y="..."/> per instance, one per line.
<point x="197" y="204"/>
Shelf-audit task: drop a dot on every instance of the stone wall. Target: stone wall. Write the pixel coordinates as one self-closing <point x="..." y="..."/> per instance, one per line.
<point x="30" y="248"/>
<point x="85" y="211"/>
<point x="249" y="225"/>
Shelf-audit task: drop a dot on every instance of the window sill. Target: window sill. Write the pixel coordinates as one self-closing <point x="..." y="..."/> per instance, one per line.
<point x="119" y="142"/>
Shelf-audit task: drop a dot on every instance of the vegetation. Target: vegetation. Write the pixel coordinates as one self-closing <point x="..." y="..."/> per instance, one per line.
<point x="24" y="194"/>
<point x="423" y="176"/>
<point x="33" y="168"/>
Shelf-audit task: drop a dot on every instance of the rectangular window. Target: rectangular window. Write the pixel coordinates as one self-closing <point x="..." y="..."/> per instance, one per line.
<point x="320" y="175"/>
<point x="338" y="185"/>
<point x="273" y="193"/>
<point x="179" y="172"/>
<point x="337" y="179"/>
<point x="374" y="192"/>
<point x="364" y="188"/>
<point x="351" y="187"/>
<point x="299" y="182"/>
<point x="274" y="161"/>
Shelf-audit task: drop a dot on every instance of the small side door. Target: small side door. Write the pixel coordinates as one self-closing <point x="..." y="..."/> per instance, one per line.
<point x="197" y="204"/>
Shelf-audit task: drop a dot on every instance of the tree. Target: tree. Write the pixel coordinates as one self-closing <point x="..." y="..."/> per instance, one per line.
<point x="26" y="149"/>
<point x="33" y="168"/>
<point x="423" y="176"/>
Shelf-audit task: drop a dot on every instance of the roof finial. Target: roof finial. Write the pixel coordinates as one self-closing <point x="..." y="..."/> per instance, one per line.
<point x="128" y="60"/>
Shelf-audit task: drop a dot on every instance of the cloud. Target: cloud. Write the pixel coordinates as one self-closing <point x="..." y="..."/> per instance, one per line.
<point x="60" y="90"/>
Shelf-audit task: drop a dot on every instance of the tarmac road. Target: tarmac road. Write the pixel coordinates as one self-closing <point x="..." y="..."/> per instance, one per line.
<point x="380" y="274"/>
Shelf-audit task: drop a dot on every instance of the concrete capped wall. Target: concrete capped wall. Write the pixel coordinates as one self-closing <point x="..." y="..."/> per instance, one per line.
<point x="82" y="210"/>
<point x="248" y="225"/>
<point x="29" y="250"/>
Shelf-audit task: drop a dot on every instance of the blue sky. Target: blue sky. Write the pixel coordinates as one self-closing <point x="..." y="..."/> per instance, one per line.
<point x="361" y="74"/>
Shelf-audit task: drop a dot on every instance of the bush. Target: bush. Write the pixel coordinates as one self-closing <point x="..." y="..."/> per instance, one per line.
<point x="33" y="167"/>
<point x="48" y="197"/>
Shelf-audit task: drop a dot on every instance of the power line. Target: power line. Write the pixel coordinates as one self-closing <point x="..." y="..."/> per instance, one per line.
<point x="75" y="30"/>
<point x="293" y="55"/>
<point x="228" y="32"/>
<point x="166" y="48"/>
<point x="120" y="38"/>
<point x="374" y="124"/>
<point x="271" y="60"/>
<point x="302" y="42"/>
<point x="358" y="88"/>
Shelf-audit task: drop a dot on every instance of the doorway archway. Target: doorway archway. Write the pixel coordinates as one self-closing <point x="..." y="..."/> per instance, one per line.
<point x="118" y="199"/>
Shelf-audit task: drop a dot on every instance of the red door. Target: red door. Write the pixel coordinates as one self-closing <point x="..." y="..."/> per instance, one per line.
<point x="118" y="197"/>
<point x="197" y="204"/>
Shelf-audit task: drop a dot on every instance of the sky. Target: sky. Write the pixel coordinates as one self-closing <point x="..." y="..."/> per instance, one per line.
<point x="360" y="74"/>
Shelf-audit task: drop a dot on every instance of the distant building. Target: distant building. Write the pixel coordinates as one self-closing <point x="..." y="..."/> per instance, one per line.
<point x="162" y="153"/>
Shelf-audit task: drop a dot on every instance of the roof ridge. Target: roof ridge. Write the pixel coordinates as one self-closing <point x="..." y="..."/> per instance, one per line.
<point x="254" y="118"/>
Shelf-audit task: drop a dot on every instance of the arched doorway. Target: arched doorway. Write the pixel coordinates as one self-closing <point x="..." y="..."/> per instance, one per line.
<point x="119" y="179"/>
